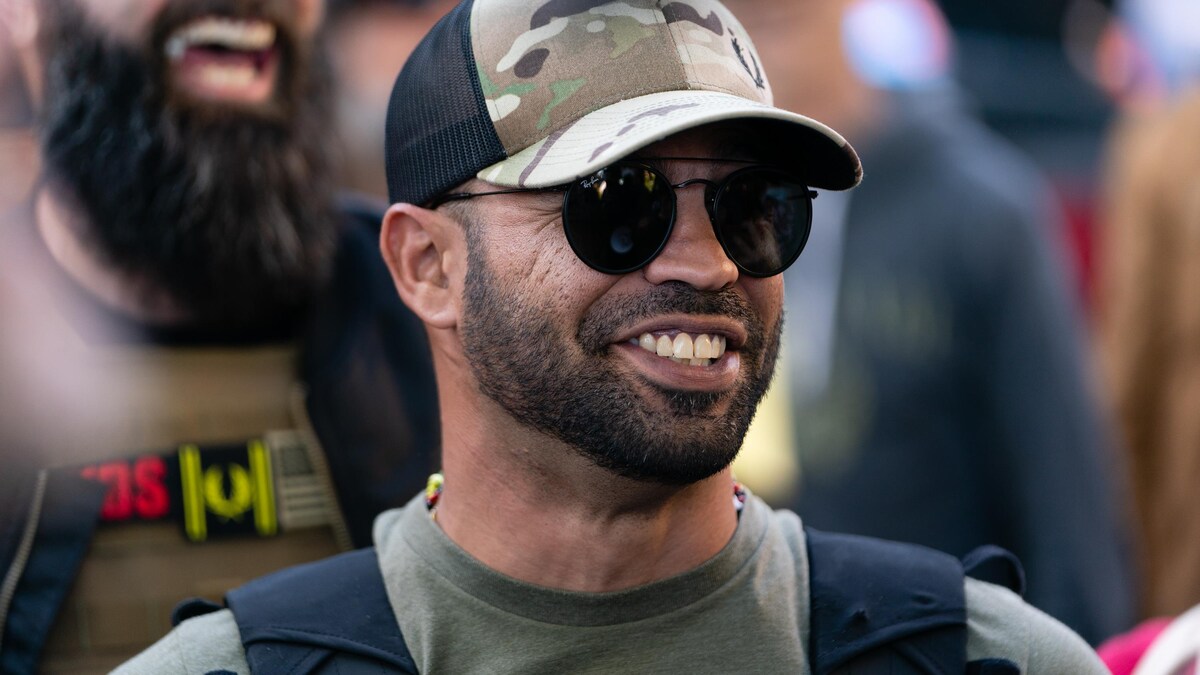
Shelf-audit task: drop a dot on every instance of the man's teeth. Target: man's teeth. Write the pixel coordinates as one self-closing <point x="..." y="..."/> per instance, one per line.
<point x="683" y="348"/>
<point x="234" y="34"/>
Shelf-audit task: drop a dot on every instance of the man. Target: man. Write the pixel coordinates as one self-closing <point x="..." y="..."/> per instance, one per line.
<point x="937" y="356"/>
<point x="604" y="306"/>
<point x="265" y="393"/>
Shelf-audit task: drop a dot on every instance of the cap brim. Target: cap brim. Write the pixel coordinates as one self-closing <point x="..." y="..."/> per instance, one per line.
<point x="816" y="152"/>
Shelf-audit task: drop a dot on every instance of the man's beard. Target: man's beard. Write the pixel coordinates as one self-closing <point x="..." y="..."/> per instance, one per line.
<point x="228" y="210"/>
<point x="516" y="354"/>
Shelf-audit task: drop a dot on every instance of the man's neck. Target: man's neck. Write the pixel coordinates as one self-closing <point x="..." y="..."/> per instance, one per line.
<point x="59" y="223"/>
<point x="533" y="509"/>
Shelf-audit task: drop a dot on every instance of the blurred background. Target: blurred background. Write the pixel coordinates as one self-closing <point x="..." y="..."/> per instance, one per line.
<point x="991" y="341"/>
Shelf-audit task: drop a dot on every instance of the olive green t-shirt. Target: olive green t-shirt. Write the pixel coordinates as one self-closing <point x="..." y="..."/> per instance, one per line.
<point x="745" y="610"/>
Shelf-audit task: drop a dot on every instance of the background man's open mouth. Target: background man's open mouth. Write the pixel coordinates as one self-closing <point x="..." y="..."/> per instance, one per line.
<point x="224" y="59"/>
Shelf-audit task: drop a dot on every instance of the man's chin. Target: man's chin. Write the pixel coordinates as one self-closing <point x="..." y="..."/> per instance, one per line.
<point x="671" y="448"/>
<point x="696" y="407"/>
<point x="680" y="467"/>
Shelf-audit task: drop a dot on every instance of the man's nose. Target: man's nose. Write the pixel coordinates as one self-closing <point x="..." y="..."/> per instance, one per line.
<point x="692" y="254"/>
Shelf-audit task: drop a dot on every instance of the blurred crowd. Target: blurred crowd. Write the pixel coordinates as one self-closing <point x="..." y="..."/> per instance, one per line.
<point x="990" y="341"/>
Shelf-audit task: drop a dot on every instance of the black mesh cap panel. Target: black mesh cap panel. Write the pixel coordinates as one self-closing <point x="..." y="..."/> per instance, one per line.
<point x="439" y="133"/>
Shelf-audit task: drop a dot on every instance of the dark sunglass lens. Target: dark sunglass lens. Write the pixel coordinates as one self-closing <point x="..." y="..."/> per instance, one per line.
<point x="763" y="218"/>
<point x="618" y="219"/>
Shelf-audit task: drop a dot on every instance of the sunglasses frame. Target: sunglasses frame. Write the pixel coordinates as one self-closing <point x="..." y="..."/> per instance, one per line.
<point x="712" y="194"/>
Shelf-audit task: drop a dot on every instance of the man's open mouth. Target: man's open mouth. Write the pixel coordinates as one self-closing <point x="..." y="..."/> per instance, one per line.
<point x="695" y="350"/>
<point x="224" y="59"/>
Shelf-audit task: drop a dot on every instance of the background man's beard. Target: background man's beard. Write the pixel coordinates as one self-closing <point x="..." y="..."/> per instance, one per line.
<point x="228" y="211"/>
<point x="518" y="363"/>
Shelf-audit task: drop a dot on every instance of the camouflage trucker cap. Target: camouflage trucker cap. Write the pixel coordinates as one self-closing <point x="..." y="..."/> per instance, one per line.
<point x="534" y="94"/>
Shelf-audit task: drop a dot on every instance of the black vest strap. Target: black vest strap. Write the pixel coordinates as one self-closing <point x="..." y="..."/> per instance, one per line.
<point x="328" y="616"/>
<point x="997" y="566"/>
<point x="880" y="604"/>
<point x="875" y="607"/>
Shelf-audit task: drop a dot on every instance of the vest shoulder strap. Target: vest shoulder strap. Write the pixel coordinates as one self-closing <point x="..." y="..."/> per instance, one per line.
<point x="872" y="599"/>
<point x="328" y="616"/>
<point x="875" y="606"/>
<point x="879" y="606"/>
<point x="997" y="566"/>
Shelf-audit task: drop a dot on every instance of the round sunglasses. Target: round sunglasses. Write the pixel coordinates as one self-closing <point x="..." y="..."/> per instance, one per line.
<point x="620" y="218"/>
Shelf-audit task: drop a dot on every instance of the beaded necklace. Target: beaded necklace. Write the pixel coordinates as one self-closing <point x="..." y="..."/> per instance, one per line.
<point x="437" y="483"/>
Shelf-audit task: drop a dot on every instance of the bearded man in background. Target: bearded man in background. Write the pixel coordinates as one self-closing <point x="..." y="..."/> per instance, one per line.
<point x="186" y="263"/>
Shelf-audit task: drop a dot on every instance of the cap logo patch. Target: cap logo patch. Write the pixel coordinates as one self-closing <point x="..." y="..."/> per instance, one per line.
<point x="756" y="74"/>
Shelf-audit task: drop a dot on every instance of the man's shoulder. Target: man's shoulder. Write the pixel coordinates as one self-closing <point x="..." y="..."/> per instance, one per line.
<point x="1000" y="624"/>
<point x="207" y="643"/>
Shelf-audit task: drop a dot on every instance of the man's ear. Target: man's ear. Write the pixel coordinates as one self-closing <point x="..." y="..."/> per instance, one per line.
<point x="425" y="251"/>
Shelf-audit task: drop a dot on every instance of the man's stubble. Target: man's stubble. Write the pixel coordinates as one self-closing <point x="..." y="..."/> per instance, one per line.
<point x="574" y="393"/>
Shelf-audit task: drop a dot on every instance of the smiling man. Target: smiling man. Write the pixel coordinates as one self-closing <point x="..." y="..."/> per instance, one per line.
<point x="265" y="392"/>
<point x="592" y="206"/>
